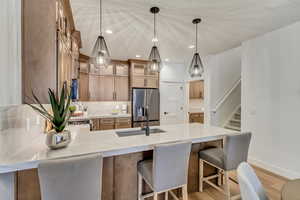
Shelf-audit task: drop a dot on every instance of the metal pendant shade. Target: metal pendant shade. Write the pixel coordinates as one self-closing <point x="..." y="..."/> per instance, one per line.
<point x="155" y="59"/>
<point x="100" y="54"/>
<point x="155" y="65"/>
<point x="196" y="68"/>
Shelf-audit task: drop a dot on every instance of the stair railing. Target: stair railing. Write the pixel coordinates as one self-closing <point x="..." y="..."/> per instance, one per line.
<point x="221" y="101"/>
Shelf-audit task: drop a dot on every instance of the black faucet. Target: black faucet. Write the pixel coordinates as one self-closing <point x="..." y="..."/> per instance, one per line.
<point x="146" y="114"/>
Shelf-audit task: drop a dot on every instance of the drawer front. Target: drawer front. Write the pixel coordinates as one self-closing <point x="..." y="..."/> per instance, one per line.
<point x="107" y="121"/>
<point x="123" y="122"/>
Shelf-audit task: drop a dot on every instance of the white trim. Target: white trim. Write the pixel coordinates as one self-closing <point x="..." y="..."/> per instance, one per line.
<point x="274" y="169"/>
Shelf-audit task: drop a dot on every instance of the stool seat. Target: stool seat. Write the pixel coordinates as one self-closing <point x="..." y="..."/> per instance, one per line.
<point x="214" y="156"/>
<point x="145" y="169"/>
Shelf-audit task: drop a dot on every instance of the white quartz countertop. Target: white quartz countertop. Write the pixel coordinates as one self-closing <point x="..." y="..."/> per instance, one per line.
<point x="14" y="156"/>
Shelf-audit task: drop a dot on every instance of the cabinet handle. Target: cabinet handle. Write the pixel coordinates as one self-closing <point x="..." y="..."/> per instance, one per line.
<point x="145" y="82"/>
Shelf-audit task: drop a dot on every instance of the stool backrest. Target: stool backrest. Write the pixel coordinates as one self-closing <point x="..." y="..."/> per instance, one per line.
<point x="236" y="150"/>
<point x="170" y="165"/>
<point x="250" y="186"/>
<point x="71" y="179"/>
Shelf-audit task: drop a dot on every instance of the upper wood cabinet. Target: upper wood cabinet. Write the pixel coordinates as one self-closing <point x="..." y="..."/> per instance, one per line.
<point x="106" y="87"/>
<point x="106" y="70"/>
<point x="84" y="86"/>
<point x="110" y="83"/>
<point x="141" y="77"/>
<point x="121" y="88"/>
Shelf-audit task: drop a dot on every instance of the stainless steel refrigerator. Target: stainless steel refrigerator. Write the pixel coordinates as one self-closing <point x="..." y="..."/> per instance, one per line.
<point x="143" y="98"/>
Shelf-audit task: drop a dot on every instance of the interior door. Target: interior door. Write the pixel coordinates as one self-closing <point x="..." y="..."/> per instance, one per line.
<point x="172" y="103"/>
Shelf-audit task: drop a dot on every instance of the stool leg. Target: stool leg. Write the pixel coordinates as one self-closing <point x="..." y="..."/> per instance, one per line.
<point x="219" y="177"/>
<point x="201" y="175"/>
<point x="167" y="195"/>
<point x="155" y="196"/>
<point x="140" y="186"/>
<point x="227" y="187"/>
<point x="184" y="193"/>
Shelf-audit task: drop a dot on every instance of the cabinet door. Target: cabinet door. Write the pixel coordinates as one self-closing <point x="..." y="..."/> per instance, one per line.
<point x="83" y="87"/>
<point x="139" y="69"/>
<point x="121" y="69"/>
<point x="106" y="70"/>
<point x="139" y="81"/>
<point x="94" y="92"/>
<point x="152" y="82"/>
<point x="121" y="88"/>
<point x="106" y="88"/>
<point x="107" y="124"/>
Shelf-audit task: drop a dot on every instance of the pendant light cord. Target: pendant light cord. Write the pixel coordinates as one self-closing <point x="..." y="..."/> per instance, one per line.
<point x="100" y="17"/>
<point x="197" y="38"/>
<point x="155" y="28"/>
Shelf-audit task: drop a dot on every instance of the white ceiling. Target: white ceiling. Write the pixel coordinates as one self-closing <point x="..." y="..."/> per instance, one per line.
<point x="226" y="23"/>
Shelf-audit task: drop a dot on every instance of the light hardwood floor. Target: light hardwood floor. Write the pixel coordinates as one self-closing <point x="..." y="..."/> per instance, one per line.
<point x="272" y="184"/>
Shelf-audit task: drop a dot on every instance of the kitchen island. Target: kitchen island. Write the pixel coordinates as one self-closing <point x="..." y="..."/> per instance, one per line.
<point x="19" y="159"/>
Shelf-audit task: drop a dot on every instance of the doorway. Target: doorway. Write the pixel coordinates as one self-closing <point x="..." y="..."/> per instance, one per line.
<point x="196" y="101"/>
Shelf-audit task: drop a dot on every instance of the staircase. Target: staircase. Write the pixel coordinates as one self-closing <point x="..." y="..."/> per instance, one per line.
<point x="234" y="123"/>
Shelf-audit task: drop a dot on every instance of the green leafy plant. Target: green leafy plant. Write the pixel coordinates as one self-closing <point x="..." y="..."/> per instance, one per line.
<point x="60" y="109"/>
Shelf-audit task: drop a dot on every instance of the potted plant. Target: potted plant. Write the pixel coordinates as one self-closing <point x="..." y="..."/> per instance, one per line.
<point x="57" y="137"/>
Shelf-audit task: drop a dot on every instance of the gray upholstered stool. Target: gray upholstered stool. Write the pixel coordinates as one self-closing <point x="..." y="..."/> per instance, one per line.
<point x="228" y="158"/>
<point x="167" y="171"/>
<point x="71" y="179"/>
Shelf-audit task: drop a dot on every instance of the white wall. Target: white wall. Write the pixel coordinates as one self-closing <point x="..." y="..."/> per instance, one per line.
<point x="271" y="99"/>
<point x="173" y="72"/>
<point x="10" y="52"/>
<point x="222" y="71"/>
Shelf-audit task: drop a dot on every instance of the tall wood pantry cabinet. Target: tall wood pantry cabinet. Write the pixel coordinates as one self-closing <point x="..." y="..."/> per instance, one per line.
<point x="50" y="47"/>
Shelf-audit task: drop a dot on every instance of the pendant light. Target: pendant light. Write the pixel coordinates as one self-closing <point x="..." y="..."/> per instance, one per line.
<point x="155" y="65"/>
<point x="100" y="54"/>
<point x="196" y="67"/>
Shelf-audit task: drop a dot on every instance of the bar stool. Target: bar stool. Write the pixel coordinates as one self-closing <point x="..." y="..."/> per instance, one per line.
<point x="167" y="171"/>
<point x="226" y="159"/>
<point x="75" y="178"/>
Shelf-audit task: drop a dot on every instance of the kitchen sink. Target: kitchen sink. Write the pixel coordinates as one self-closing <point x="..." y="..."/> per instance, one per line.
<point x="138" y="132"/>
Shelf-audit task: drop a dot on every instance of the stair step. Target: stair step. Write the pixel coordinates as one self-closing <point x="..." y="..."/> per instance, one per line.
<point x="235" y="120"/>
<point x="232" y="128"/>
<point x="237" y="116"/>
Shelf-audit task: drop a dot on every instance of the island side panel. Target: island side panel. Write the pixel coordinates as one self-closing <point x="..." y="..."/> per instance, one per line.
<point x="108" y="179"/>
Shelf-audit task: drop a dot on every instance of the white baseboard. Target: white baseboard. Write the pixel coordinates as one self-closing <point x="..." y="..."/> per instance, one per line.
<point x="274" y="169"/>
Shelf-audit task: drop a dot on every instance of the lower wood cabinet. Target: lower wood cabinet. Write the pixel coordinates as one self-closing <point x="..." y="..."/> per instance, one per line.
<point x="196" y="117"/>
<point x="111" y="123"/>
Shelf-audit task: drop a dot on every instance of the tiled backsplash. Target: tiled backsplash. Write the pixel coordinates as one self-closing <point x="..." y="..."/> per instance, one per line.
<point x="18" y="116"/>
<point x="22" y="116"/>
<point x="105" y="107"/>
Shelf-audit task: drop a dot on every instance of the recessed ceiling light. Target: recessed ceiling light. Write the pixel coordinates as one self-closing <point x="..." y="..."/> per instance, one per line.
<point x="191" y="46"/>
<point x="167" y="59"/>
<point x="137" y="56"/>
<point x="109" y="31"/>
